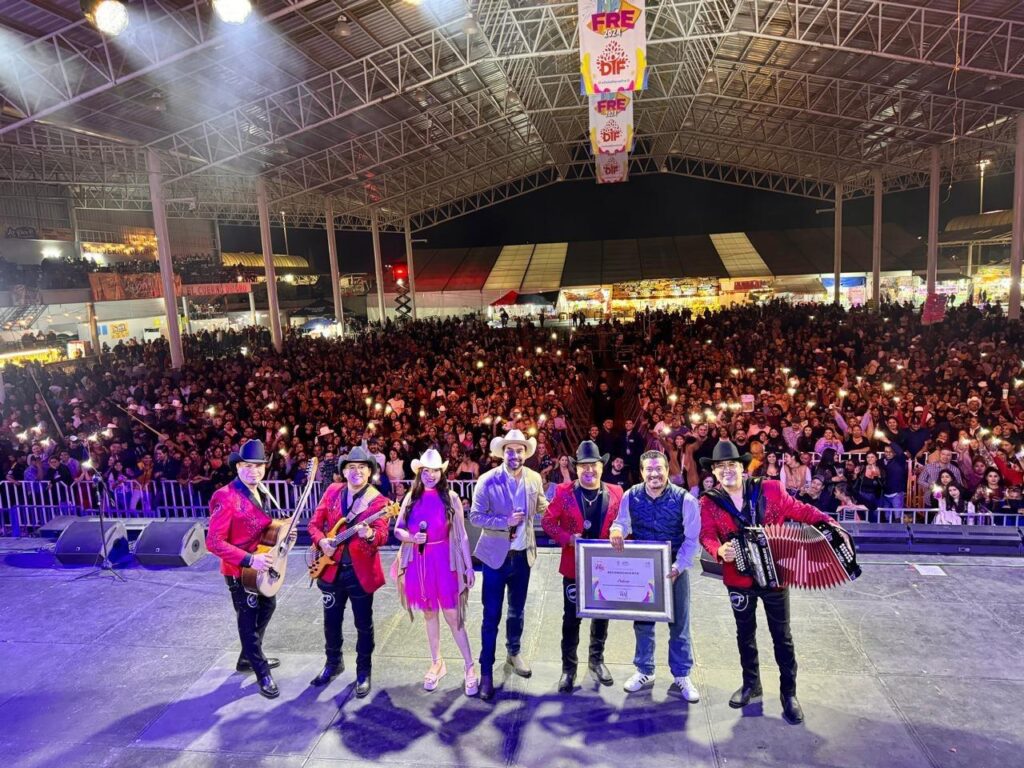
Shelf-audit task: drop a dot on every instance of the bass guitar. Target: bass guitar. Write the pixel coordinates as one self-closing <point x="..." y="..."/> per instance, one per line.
<point x="317" y="562"/>
<point x="277" y="539"/>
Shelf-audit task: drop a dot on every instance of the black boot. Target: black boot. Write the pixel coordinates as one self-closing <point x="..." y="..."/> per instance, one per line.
<point x="268" y="688"/>
<point x="567" y="682"/>
<point x="243" y="664"/>
<point x="601" y="673"/>
<point x="746" y="695"/>
<point x="328" y="673"/>
<point x="792" y="713"/>
<point x="486" y="687"/>
<point x="363" y="686"/>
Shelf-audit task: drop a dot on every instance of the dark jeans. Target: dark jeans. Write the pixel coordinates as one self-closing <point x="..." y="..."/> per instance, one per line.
<point x="335" y="595"/>
<point x="776" y="608"/>
<point x="513" y="575"/>
<point x="253" y="613"/>
<point x="571" y="631"/>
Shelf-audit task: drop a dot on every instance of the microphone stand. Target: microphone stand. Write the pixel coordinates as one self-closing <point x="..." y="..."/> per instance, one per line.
<point x="105" y="566"/>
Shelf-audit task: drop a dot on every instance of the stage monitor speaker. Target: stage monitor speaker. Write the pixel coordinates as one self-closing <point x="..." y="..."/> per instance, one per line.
<point x="709" y="565"/>
<point x="171" y="542"/>
<point x="56" y="526"/>
<point x="81" y="543"/>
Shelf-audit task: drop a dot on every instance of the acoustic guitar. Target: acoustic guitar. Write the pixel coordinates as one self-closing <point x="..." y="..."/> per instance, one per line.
<point x="317" y="562"/>
<point x="277" y="538"/>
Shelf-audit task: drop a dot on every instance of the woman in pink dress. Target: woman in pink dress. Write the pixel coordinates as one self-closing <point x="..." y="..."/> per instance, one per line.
<point x="434" y="568"/>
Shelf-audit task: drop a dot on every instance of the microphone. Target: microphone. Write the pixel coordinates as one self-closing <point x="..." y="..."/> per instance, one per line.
<point x="423" y="529"/>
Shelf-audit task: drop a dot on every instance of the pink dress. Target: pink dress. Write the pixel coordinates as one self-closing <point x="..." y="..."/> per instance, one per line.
<point x="430" y="583"/>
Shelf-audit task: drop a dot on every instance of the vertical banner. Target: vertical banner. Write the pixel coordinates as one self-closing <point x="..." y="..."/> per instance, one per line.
<point x="934" y="309"/>
<point x="612" y="169"/>
<point x="611" y="123"/>
<point x="613" y="45"/>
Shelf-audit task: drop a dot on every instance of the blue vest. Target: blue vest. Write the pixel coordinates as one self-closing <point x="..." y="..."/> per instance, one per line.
<point x="659" y="519"/>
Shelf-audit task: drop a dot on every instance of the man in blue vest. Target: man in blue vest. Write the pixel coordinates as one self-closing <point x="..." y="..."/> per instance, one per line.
<point x="657" y="510"/>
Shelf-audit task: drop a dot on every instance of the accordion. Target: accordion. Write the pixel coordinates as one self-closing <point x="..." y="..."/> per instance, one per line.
<point x="803" y="556"/>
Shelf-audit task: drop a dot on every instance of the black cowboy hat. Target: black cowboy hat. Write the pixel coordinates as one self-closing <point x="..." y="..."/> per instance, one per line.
<point x="251" y="452"/>
<point x="588" y="452"/>
<point x="725" y="451"/>
<point x="359" y="455"/>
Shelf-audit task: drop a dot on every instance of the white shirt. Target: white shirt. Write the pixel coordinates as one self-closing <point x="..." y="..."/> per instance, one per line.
<point x="519" y="500"/>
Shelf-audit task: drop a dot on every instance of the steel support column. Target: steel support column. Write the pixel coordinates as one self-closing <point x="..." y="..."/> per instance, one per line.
<point x="933" y="221"/>
<point x="332" y="253"/>
<point x="268" y="265"/>
<point x="94" y="332"/>
<point x="1013" y="311"/>
<point x="377" y="266"/>
<point x="186" y="314"/>
<point x="163" y="250"/>
<point x="409" y="263"/>
<point x="837" y="248"/>
<point x="252" y="306"/>
<point x="876" y="242"/>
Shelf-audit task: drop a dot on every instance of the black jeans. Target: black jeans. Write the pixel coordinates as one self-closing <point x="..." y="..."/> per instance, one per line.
<point x="335" y="595"/>
<point x="253" y="613"/>
<point x="571" y="631"/>
<point x="776" y="608"/>
<point x="514" y="576"/>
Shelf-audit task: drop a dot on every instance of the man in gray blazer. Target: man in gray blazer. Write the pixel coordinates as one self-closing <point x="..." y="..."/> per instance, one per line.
<point x="506" y="501"/>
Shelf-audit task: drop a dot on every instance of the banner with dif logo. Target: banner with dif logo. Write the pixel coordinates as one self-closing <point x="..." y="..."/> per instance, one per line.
<point x="611" y="123"/>
<point x="613" y="45"/>
<point x="612" y="169"/>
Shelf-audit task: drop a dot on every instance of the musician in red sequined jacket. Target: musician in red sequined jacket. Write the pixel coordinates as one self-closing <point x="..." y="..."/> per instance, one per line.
<point x="364" y="552"/>
<point x="734" y="504"/>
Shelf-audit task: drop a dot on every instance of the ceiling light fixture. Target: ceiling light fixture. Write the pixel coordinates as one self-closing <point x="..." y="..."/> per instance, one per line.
<point x="108" y="16"/>
<point x="342" y="27"/>
<point x="233" y="11"/>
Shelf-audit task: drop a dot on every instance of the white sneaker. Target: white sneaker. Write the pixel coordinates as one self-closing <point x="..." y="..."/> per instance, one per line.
<point x="638" y="682"/>
<point x="686" y="689"/>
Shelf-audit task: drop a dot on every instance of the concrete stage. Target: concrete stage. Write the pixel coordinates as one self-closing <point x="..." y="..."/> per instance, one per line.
<point x="899" y="670"/>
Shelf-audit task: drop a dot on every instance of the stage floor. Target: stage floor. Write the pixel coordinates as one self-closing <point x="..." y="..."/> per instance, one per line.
<point x="898" y="670"/>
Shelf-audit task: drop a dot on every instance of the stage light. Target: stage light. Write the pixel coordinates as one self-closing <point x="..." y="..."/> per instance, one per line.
<point x="233" y="11"/>
<point x="108" y="16"/>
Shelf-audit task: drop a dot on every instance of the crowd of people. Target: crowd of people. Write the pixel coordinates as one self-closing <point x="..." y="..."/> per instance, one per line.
<point x="844" y="407"/>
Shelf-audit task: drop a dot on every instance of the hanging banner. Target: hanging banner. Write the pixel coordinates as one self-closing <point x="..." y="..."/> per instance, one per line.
<point x="611" y="123"/>
<point x="613" y="45"/>
<point x="612" y="169"/>
<point x="107" y="286"/>
<point x="216" y="289"/>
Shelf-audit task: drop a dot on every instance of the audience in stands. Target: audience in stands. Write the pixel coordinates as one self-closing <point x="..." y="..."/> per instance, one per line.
<point x="850" y="410"/>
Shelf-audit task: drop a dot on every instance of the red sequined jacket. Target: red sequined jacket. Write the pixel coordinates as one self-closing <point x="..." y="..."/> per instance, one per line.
<point x="716" y="524"/>
<point x="236" y="524"/>
<point x="563" y="518"/>
<point x="364" y="552"/>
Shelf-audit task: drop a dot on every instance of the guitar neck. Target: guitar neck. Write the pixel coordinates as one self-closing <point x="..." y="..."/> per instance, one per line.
<point x="350" y="532"/>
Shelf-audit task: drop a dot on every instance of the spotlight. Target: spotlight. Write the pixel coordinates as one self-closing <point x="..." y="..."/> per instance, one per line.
<point x="108" y="16"/>
<point x="342" y="27"/>
<point x="233" y="11"/>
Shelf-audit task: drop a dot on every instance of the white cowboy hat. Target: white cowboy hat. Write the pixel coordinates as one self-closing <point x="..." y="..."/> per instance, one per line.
<point x="431" y="459"/>
<point x="324" y="431"/>
<point x="513" y="436"/>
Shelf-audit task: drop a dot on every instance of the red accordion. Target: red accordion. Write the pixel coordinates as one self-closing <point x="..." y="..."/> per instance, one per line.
<point x="803" y="556"/>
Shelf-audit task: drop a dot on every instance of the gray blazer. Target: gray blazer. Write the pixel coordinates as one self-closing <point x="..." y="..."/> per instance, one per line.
<point x="492" y="507"/>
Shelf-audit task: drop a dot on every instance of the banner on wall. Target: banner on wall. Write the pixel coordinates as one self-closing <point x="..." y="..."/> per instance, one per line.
<point x="613" y="45"/>
<point x="119" y="331"/>
<point x="612" y="169"/>
<point x="110" y="287"/>
<point x="611" y="123"/>
<point x="216" y="289"/>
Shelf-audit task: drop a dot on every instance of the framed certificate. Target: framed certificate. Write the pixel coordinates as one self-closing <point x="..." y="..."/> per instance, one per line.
<point x="632" y="584"/>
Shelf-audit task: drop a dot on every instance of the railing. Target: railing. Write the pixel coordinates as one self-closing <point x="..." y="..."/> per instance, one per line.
<point x="27" y="506"/>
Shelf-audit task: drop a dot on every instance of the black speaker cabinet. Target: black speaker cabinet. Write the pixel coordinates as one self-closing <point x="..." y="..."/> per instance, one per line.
<point x="171" y="542"/>
<point x="81" y="543"/>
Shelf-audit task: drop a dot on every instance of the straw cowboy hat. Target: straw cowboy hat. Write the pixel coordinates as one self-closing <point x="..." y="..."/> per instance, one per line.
<point x="431" y="459"/>
<point x="324" y="431"/>
<point x="512" y="437"/>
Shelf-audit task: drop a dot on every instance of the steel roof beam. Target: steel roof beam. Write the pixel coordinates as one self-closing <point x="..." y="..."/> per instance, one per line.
<point x="76" y="62"/>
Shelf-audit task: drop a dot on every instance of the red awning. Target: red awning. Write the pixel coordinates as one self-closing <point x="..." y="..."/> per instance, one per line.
<point x="508" y="300"/>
